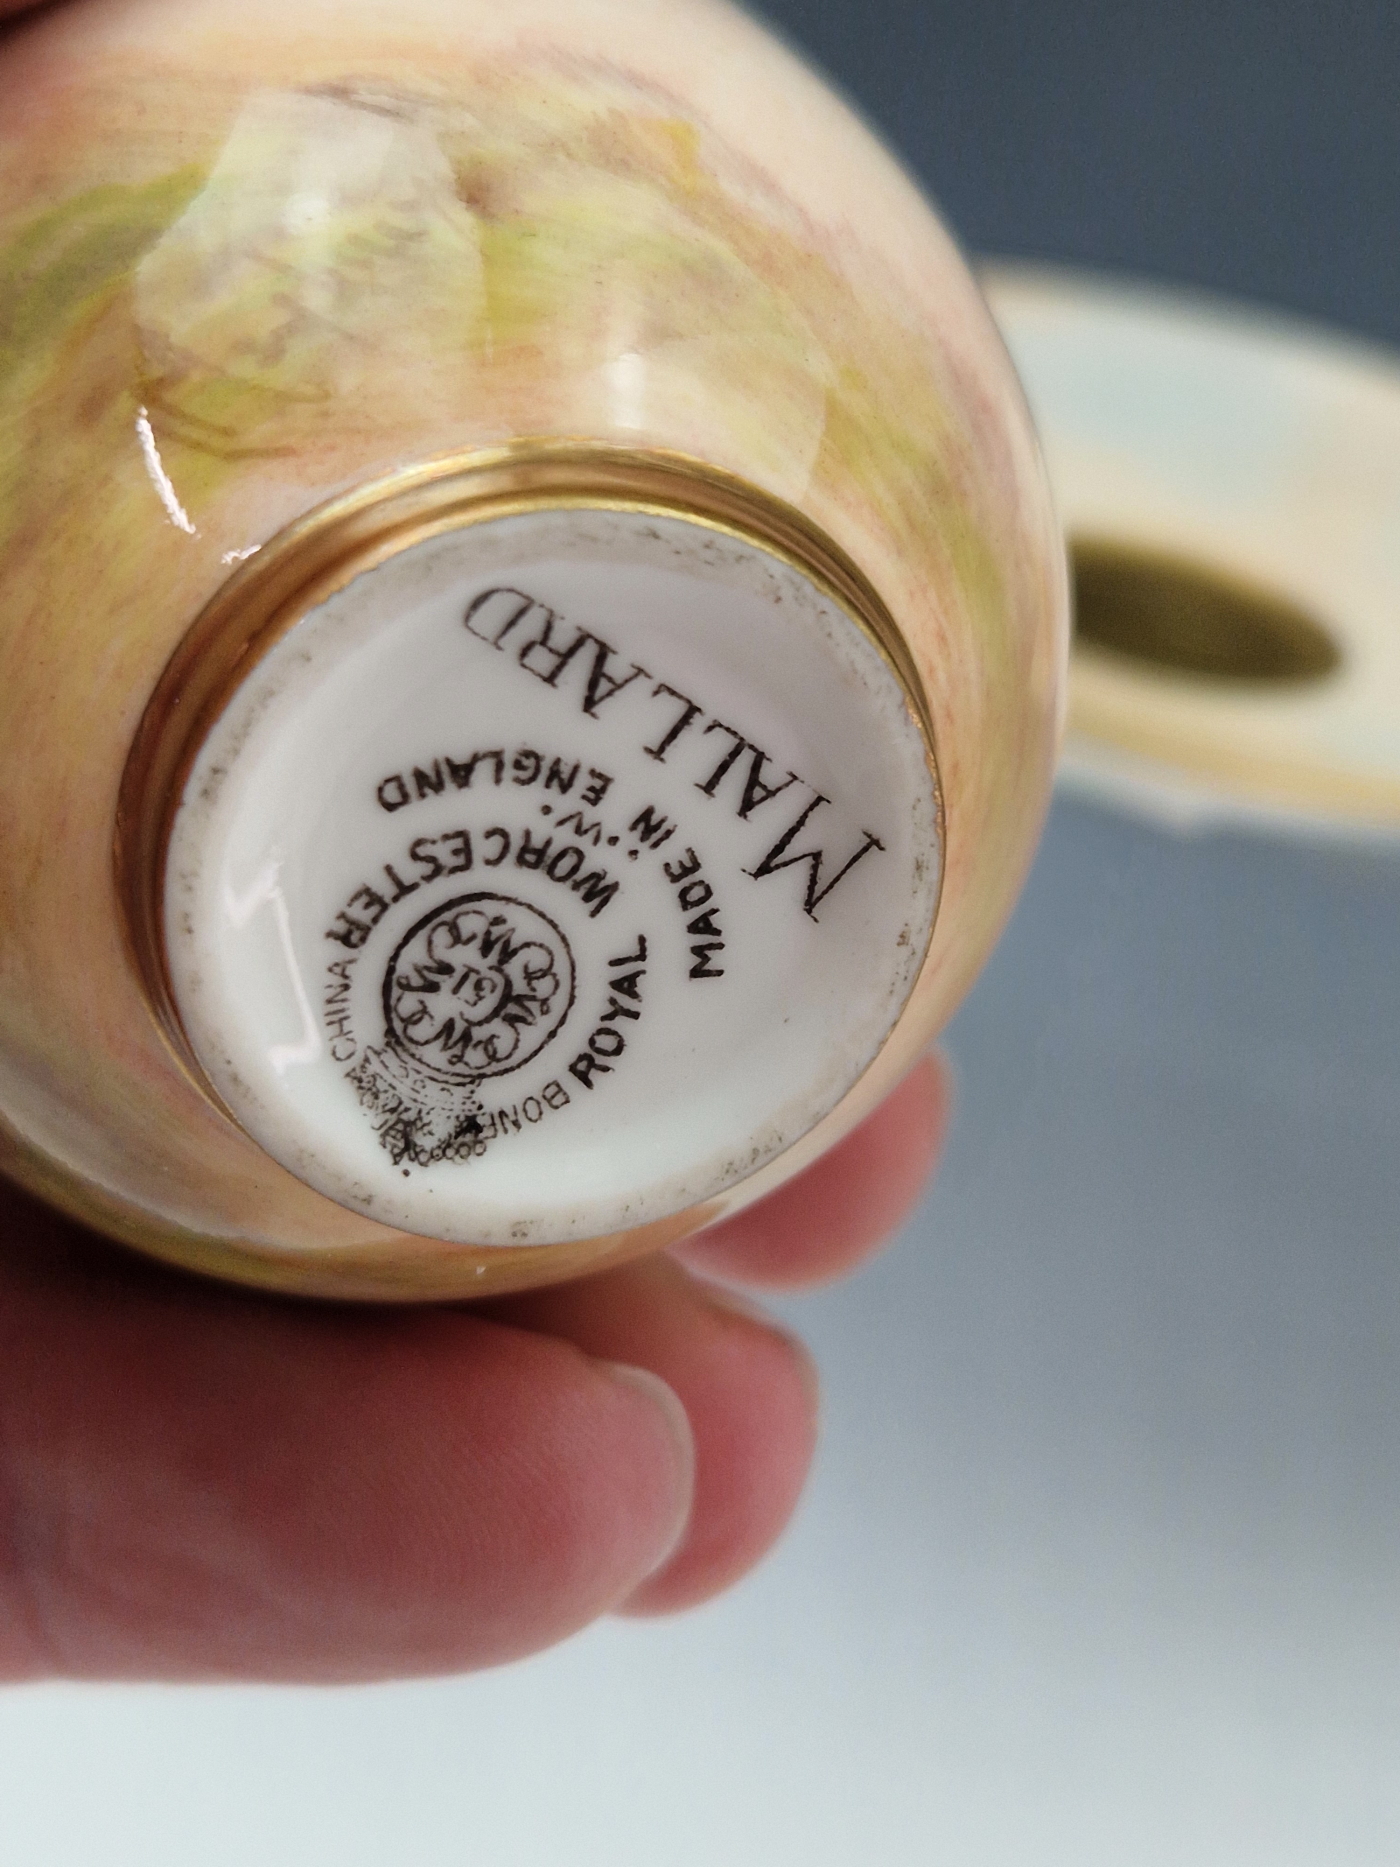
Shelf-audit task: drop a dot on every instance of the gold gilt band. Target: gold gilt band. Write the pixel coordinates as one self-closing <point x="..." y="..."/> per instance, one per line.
<point x="319" y="554"/>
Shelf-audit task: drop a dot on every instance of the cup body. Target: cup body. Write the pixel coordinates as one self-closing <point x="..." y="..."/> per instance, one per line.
<point x="292" y="305"/>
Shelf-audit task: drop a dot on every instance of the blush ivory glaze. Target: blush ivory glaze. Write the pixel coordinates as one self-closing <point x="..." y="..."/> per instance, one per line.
<point x="519" y="532"/>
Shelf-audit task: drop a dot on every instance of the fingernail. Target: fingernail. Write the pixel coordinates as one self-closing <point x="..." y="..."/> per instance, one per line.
<point x="722" y="1297"/>
<point x="664" y="1401"/>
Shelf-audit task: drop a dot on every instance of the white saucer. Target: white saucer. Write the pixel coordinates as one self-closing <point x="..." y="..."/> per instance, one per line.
<point x="1250" y="445"/>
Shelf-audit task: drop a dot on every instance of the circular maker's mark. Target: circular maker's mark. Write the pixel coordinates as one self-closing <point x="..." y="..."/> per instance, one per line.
<point x="478" y="987"/>
<point x="475" y="989"/>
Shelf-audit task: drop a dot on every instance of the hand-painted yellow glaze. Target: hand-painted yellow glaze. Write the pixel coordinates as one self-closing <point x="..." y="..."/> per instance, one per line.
<point x="246" y="264"/>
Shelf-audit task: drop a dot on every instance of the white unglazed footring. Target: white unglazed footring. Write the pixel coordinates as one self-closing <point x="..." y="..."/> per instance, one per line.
<point x="552" y="875"/>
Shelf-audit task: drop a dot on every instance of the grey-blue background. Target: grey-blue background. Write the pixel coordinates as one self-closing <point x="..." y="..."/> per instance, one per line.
<point x="1252" y="146"/>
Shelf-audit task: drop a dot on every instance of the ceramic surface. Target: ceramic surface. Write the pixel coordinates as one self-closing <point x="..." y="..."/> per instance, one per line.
<point x="1251" y="444"/>
<point x="249" y="264"/>
<point x="546" y="922"/>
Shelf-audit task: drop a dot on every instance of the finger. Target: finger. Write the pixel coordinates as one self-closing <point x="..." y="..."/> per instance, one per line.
<point x="747" y="1388"/>
<point x="199" y="1483"/>
<point x="830" y="1218"/>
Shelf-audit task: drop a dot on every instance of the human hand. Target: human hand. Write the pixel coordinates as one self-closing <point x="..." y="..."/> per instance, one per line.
<point x="199" y="1482"/>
